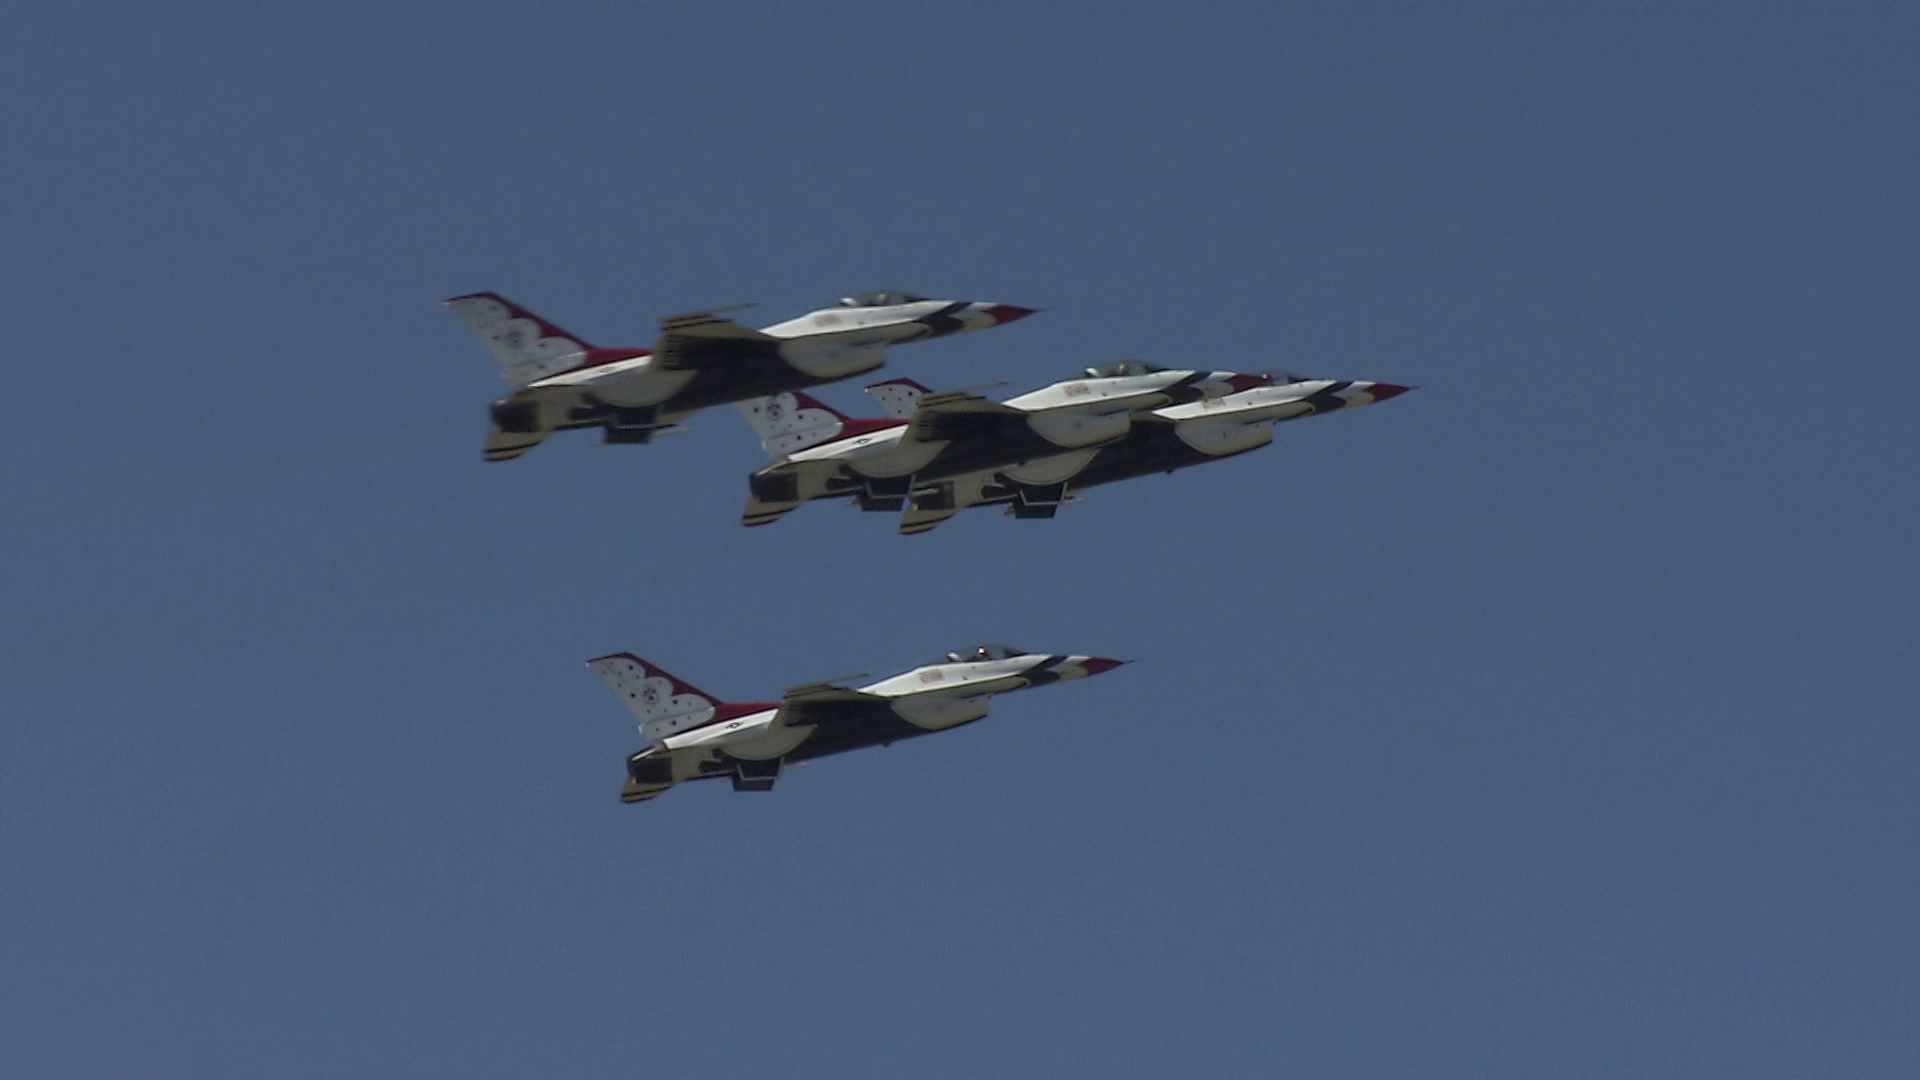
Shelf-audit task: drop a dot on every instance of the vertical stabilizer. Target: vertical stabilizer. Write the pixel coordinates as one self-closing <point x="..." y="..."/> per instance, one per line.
<point x="528" y="347"/>
<point x="899" y="398"/>
<point x="790" y="422"/>
<point x="662" y="703"/>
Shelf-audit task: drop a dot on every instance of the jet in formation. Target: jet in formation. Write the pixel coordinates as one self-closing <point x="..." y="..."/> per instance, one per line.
<point x="700" y="360"/>
<point x="928" y="438"/>
<point x="696" y="736"/>
<point x="934" y="455"/>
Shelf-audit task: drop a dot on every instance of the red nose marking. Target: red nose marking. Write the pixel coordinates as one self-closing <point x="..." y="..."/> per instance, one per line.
<point x="1094" y="665"/>
<point x="1381" y="391"/>
<point x="1248" y="382"/>
<point x="1006" y="313"/>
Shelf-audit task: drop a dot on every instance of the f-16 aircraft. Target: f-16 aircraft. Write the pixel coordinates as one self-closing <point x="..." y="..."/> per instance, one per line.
<point x="695" y="736"/>
<point x="700" y="360"/>
<point x="823" y="454"/>
<point x="1160" y="440"/>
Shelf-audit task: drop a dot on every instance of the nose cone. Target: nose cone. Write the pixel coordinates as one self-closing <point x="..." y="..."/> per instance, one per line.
<point x="1003" y="314"/>
<point x="1248" y="382"/>
<point x="1057" y="668"/>
<point x="1381" y="391"/>
<point x="960" y="316"/>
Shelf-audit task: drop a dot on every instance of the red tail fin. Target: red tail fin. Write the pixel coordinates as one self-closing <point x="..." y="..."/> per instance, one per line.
<point x="529" y="347"/>
<point x="663" y="703"/>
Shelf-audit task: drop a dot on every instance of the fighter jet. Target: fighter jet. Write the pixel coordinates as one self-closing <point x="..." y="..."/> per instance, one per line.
<point x="1161" y="440"/>
<point x="823" y="454"/>
<point x="695" y="736"/>
<point x="561" y="381"/>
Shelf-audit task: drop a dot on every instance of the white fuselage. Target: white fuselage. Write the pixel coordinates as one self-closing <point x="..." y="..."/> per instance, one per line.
<point x="823" y="345"/>
<point x="930" y="698"/>
<point x="1063" y="416"/>
<point x="1234" y="423"/>
<point x="1175" y="436"/>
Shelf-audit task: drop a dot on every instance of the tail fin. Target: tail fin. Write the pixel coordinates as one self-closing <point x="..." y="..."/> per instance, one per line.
<point x="899" y="397"/>
<point x="528" y="347"/>
<point x="662" y="703"/>
<point x="790" y="422"/>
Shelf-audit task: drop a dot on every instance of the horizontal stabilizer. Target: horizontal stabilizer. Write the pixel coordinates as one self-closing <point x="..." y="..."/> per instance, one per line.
<point x="637" y="792"/>
<point x="933" y="504"/>
<point x="914" y="520"/>
<point x="759" y="513"/>
<point x="507" y="445"/>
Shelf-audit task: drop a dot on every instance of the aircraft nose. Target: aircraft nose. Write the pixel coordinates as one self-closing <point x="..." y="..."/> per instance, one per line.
<point x="1094" y="665"/>
<point x="1249" y="382"/>
<point x="1005" y="313"/>
<point x="1381" y="391"/>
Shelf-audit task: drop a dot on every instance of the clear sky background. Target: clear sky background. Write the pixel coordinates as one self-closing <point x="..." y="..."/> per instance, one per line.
<point x="1558" y="719"/>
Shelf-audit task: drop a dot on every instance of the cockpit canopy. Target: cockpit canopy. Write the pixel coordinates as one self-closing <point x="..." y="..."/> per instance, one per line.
<point x="989" y="651"/>
<point x="881" y="298"/>
<point x="1121" y="368"/>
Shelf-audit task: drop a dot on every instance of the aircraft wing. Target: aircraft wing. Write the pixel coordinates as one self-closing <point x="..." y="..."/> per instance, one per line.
<point x="823" y="703"/>
<point x="702" y="339"/>
<point x="958" y="415"/>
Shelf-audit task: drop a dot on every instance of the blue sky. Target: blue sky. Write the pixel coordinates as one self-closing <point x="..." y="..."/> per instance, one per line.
<point x="1557" y="719"/>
